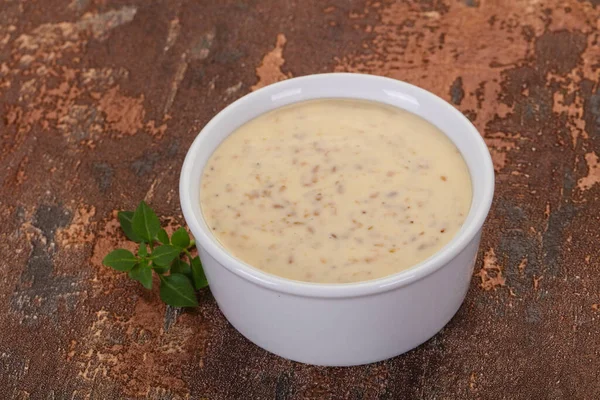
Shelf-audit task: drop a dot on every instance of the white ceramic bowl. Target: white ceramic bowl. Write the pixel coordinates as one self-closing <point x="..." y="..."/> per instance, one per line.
<point x="341" y="324"/>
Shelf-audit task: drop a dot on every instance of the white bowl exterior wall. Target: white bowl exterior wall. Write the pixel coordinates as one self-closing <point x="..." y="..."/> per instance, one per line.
<point x="342" y="331"/>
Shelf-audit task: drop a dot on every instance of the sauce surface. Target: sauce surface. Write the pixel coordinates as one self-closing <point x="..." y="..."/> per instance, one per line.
<point x="335" y="191"/>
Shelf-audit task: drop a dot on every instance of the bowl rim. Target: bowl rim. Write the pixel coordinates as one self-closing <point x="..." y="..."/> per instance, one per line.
<point x="209" y="243"/>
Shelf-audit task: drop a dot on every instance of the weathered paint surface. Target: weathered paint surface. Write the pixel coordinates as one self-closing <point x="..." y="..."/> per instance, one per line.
<point x="99" y="101"/>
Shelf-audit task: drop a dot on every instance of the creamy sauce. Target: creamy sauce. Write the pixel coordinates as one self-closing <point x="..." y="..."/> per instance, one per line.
<point x="335" y="191"/>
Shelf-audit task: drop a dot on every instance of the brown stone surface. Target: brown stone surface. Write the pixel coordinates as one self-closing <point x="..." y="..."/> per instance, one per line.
<point x="100" y="99"/>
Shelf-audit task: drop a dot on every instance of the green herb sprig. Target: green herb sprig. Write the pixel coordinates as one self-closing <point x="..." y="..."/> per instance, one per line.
<point x="179" y="279"/>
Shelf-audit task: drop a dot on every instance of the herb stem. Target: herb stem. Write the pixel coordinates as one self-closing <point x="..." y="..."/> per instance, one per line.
<point x="192" y="244"/>
<point x="189" y="256"/>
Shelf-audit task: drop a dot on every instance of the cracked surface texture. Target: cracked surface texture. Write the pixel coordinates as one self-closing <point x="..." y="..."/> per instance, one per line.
<point x="100" y="99"/>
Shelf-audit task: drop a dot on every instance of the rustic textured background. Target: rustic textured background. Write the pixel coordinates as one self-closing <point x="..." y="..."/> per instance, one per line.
<point x="99" y="101"/>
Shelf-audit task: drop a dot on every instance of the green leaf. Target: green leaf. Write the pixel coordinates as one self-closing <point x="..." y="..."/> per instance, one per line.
<point x="125" y="218"/>
<point x="142" y="273"/>
<point x="160" y="269"/>
<point x="176" y="290"/>
<point x="181" y="238"/>
<point x="199" y="278"/>
<point x="120" y="259"/>
<point x="145" y="223"/>
<point x="162" y="236"/>
<point x="143" y="250"/>
<point x="163" y="255"/>
<point x="181" y="267"/>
